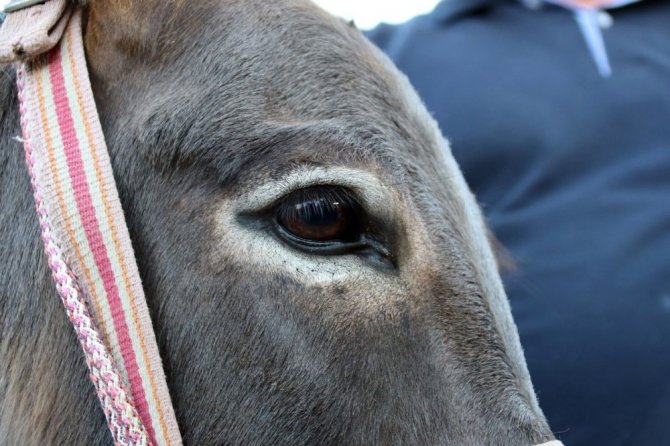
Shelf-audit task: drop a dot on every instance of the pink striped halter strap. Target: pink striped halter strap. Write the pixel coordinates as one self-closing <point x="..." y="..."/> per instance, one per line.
<point x="82" y="224"/>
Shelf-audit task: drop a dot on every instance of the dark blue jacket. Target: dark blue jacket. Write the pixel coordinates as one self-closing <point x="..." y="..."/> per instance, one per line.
<point x="573" y="171"/>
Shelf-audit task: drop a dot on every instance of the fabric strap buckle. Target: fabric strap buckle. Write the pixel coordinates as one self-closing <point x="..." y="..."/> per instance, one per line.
<point x="32" y="28"/>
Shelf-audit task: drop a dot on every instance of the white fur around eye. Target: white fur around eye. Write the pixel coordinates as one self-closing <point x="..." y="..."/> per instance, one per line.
<point x="265" y="251"/>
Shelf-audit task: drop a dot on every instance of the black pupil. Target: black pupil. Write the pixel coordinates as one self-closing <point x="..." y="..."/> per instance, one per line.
<point x="319" y="215"/>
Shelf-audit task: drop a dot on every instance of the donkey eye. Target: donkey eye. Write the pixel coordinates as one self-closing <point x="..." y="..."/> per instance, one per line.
<point x="329" y="220"/>
<point x="319" y="216"/>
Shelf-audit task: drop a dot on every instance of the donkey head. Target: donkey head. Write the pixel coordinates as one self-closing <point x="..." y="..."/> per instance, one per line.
<point x="316" y="268"/>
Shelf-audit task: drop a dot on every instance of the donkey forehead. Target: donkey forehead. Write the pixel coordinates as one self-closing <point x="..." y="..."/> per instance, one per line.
<point x="280" y="85"/>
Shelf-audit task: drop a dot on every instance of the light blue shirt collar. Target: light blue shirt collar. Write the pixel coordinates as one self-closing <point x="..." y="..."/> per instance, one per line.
<point x="591" y="21"/>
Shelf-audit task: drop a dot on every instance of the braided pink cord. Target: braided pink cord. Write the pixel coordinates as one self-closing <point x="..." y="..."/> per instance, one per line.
<point x="122" y="418"/>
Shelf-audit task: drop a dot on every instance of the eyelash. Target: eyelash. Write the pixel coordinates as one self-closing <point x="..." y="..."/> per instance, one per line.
<point x="320" y="198"/>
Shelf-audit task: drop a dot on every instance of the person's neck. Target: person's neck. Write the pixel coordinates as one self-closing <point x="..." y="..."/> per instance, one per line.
<point x="587" y="3"/>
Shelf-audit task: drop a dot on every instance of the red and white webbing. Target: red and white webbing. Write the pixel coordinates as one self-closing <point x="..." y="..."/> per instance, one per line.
<point x="88" y="245"/>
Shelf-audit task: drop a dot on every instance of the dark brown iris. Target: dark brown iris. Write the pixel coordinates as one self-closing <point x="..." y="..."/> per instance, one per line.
<point x="320" y="215"/>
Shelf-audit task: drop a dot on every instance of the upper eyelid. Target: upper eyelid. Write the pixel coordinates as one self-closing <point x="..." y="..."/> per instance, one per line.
<point x="320" y="195"/>
<point x="366" y="188"/>
<point x="279" y="204"/>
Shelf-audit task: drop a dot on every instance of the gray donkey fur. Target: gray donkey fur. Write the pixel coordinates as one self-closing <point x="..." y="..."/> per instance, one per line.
<point x="209" y="108"/>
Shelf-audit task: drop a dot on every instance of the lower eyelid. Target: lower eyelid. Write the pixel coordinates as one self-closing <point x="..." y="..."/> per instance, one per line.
<point x="313" y="246"/>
